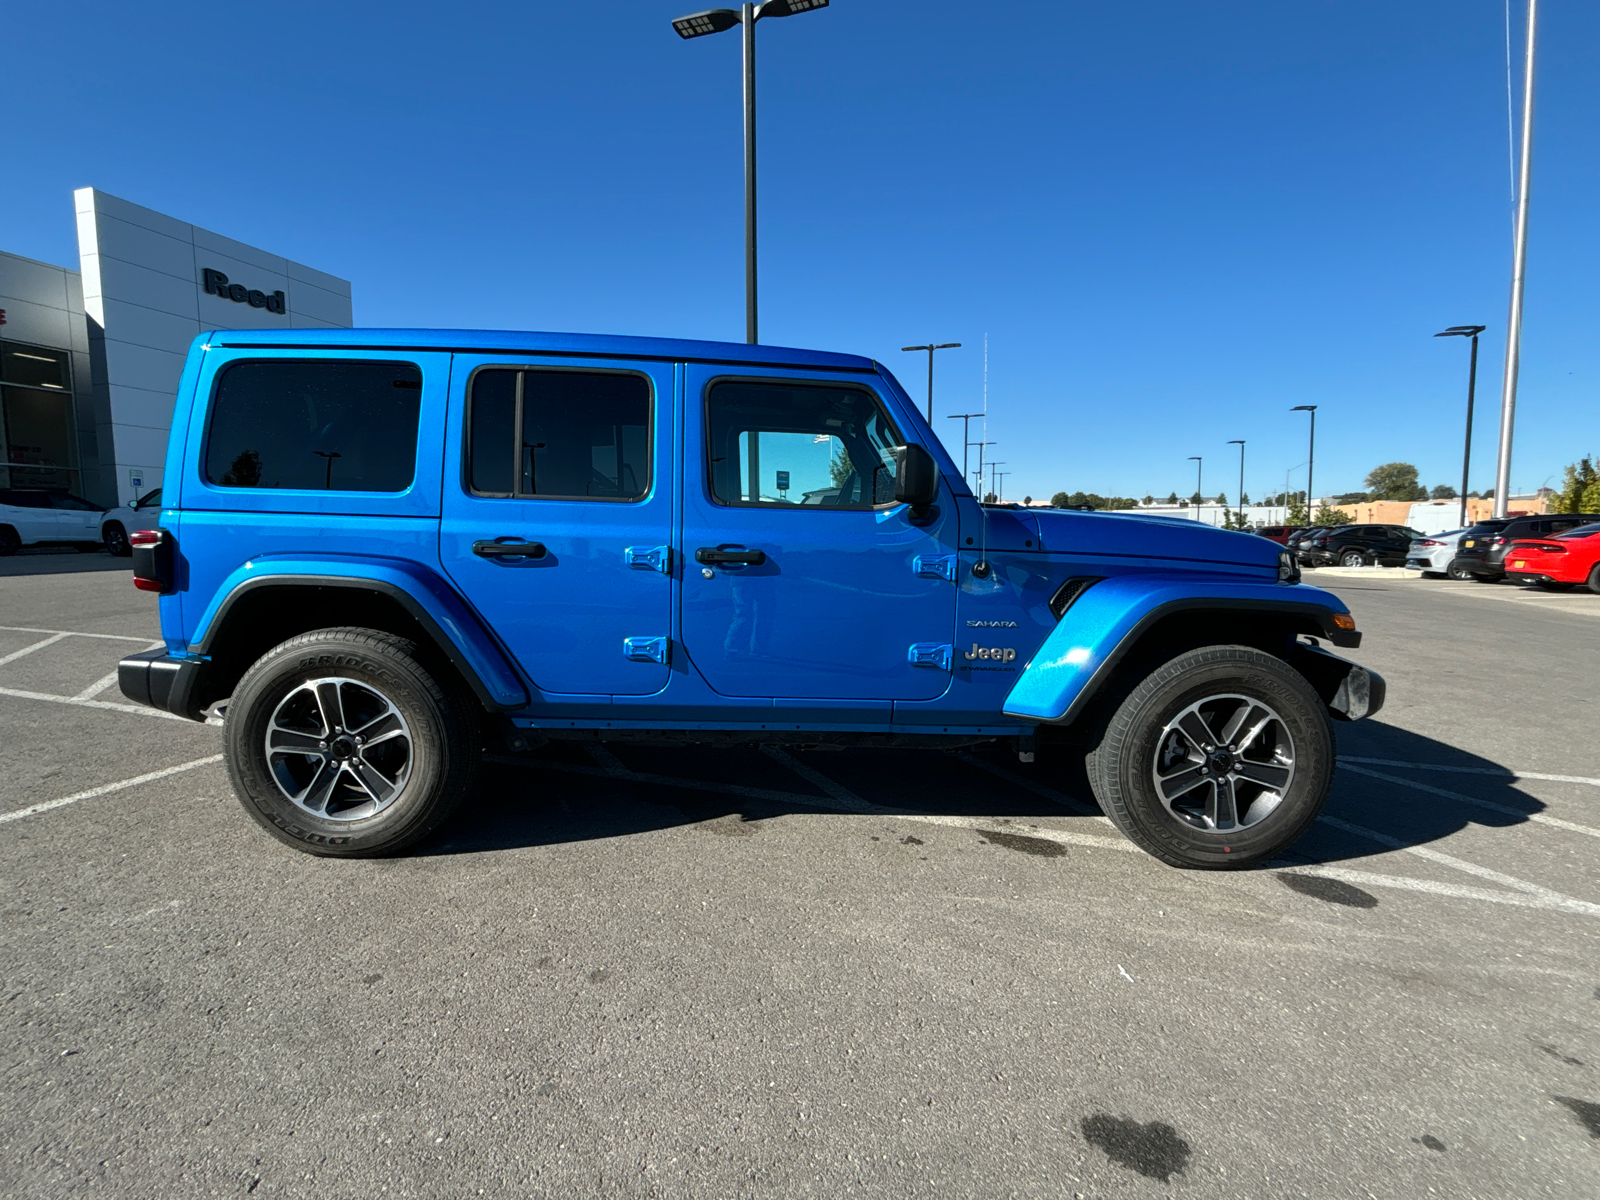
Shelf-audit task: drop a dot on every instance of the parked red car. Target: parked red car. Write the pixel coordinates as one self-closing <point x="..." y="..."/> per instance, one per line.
<point x="1559" y="561"/>
<point x="1280" y="533"/>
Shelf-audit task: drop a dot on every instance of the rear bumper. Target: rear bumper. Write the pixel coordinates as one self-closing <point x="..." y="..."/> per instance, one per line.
<point x="161" y="681"/>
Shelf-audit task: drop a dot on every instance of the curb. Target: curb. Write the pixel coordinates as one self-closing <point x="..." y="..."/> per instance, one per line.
<point x="1389" y="573"/>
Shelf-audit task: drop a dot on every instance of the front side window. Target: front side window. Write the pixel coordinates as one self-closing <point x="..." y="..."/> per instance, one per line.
<point x="791" y="444"/>
<point x="330" y="425"/>
<point x="559" y="435"/>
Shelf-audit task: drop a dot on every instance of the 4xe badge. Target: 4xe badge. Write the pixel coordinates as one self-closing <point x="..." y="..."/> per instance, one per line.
<point x="992" y="653"/>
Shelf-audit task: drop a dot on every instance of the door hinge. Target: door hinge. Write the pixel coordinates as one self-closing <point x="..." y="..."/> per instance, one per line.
<point x="649" y="558"/>
<point x="929" y="654"/>
<point x="645" y="649"/>
<point x="935" y="566"/>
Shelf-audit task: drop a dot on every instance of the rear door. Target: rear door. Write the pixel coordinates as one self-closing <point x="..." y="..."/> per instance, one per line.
<point x="557" y="515"/>
<point x="802" y="577"/>
<point x="30" y="514"/>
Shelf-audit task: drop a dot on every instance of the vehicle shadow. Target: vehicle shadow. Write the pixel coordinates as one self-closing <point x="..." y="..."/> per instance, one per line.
<point x="570" y="792"/>
<point x="54" y="561"/>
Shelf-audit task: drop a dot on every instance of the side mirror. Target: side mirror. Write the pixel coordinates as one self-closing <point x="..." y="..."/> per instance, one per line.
<point x="916" y="476"/>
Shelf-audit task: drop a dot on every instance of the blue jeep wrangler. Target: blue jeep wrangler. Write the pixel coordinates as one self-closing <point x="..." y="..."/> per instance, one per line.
<point x="382" y="550"/>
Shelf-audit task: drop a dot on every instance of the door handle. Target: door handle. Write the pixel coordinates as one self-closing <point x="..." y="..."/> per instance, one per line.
<point x="747" y="558"/>
<point x="508" y="549"/>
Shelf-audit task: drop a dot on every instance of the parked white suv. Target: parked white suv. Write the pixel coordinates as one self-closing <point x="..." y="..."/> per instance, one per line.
<point x="32" y="518"/>
<point x="116" y="525"/>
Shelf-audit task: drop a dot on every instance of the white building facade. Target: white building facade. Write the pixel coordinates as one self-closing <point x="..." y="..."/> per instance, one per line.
<point x="90" y="359"/>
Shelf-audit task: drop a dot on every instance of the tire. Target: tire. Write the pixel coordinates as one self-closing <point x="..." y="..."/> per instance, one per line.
<point x="116" y="540"/>
<point x="1458" y="571"/>
<point x="309" y="794"/>
<point x="1593" y="583"/>
<point x="10" y="541"/>
<point x="1352" y="558"/>
<point x="1142" y="742"/>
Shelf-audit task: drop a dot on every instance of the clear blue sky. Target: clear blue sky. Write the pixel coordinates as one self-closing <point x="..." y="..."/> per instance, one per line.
<point x="1173" y="220"/>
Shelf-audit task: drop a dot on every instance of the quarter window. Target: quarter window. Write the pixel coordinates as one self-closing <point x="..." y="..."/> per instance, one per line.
<point x="559" y="435"/>
<point x="330" y="425"/>
<point x="791" y="445"/>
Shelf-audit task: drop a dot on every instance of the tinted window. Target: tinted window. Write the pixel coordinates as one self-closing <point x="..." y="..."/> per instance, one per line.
<point x="149" y="499"/>
<point x="24" y="499"/>
<point x="792" y="444"/>
<point x="339" y="426"/>
<point x="1582" y="531"/>
<point x="34" y="366"/>
<point x="564" y="435"/>
<point x="74" y="503"/>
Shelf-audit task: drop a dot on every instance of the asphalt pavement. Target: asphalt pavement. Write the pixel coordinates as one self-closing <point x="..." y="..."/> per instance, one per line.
<point x="637" y="972"/>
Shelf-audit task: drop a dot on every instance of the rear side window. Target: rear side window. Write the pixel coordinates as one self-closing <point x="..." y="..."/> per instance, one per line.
<point x="329" y="425"/>
<point x="559" y="435"/>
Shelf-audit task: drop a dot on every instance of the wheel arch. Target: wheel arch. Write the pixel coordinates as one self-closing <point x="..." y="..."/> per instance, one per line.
<point x="262" y="612"/>
<point x="1070" y="684"/>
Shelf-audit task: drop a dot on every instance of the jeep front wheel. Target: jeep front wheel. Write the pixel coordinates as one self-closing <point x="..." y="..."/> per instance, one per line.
<point x="1219" y="758"/>
<point x="340" y="742"/>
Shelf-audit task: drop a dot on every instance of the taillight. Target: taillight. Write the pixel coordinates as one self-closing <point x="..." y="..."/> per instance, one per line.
<point x="1428" y="542"/>
<point x="152" y="560"/>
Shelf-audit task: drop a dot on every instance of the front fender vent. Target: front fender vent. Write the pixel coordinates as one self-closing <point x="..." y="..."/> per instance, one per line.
<point x="1069" y="591"/>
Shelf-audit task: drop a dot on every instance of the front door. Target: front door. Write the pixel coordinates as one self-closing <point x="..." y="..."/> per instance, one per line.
<point x="557" y="515"/>
<point x="802" y="577"/>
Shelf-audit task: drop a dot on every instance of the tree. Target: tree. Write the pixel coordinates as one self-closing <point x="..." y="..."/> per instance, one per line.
<point x="1173" y="498"/>
<point x="1353" y="498"/>
<point x="1195" y="499"/>
<point x="1148" y="501"/>
<point x="1331" y="516"/>
<point x="1244" y="497"/>
<point x="840" y="470"/>
<point x="1059" y="500"/>
<point x="1027" y="499"/>
<point x="1222" y="498"/>
<point x="1580" y="487"/>
<point x="1443" y="492"/>
<point x="1395" y="481"/>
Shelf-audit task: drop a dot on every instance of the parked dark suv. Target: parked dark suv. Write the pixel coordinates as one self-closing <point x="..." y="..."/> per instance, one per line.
<point x="1359" y="546"/>
<point x="1482" y="549"/>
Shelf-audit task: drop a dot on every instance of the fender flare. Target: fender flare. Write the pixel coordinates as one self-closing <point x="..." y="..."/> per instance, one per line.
<point x="1107" y="620"/>
<point x="454" y="627"/>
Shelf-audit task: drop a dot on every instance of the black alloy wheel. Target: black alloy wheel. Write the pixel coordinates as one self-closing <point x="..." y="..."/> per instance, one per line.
<point x="116" y="539"/>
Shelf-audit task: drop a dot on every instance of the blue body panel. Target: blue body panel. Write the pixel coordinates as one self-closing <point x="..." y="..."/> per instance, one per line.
<point x="1088" y="637"/>
<point x="859" y="621"/>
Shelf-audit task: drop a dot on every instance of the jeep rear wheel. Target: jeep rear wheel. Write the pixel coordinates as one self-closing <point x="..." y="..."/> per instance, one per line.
<point x="1220" y="758"/>
<point x="339" y="742"/>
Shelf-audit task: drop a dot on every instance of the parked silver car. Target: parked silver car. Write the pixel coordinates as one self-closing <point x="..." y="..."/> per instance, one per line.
<point x="1434" y="555"/>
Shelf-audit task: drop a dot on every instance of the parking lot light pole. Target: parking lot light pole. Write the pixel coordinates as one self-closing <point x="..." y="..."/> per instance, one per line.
<point x="1239" y="442"/>
<point x="1471" y="331"/>
<point x="716" y="20"/>
<point x="1311" y="461"/>
<point x="1199" y="464"/>
<point x="992" y="490"/>
<point x="979" y="471"/>
<point x="930" y="348"/>
<point x="966" y="425"/>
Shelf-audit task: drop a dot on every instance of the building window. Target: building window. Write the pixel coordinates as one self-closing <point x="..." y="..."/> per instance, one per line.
<point x="38" y="435"/>
<point x="328" y="425"/>
<point x="789" y="444"/>
<point x="559" y="435"/>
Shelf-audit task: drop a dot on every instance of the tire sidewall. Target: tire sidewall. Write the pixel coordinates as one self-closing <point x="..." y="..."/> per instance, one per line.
<point x="420" y="702"/>
<point x="1348" y="555"/>
<point x="116" y="540"/>
<point x="10" y="541"/>
<point x="1172" y="688"/>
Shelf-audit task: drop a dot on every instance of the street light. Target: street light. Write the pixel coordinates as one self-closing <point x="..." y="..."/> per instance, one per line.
<point x="992" y="482"/>
<point x="1471" y="331"/>
<point x="966" y="424"/>
<point x="1199" y="464"/>
<point x="1239" y="442"/>
<point x="979" y="471"/>
<point x="717" y="20"/>
<point x="1000" y="488"/>
<point x="1311" y="460"/>
<point x="930" y="349"/>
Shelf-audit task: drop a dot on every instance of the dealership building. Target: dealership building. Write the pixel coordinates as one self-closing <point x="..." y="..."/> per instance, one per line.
<point x="90" y="358"/>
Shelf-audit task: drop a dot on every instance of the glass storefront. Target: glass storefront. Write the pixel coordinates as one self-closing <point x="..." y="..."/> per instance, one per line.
<point x="38" y="441"/>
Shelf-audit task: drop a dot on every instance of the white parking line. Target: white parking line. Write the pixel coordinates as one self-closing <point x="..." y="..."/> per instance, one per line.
<point x="114" y="637"/>
<point x="847" y="799"/>
<point x="107" y="788"/>
<point x="98" y="686"/>
<point x="26" y="650"/>
<point x="1494" y="772"/>
<point x="138" y="709"/>
<point x="1541" y="818"/>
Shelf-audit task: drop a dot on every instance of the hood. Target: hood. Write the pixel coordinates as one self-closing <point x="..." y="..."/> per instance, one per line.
<point x="1152" y="537"/>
